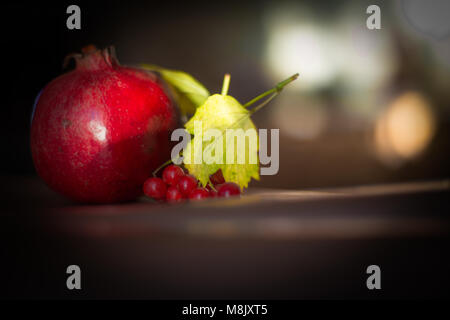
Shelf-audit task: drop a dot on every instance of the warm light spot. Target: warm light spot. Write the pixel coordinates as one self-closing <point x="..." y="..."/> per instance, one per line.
<point x="405" y="128"/>
<point x="98" y="130"/>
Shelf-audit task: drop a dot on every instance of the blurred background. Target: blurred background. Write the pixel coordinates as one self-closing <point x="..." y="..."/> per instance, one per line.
<point x="370" y="106"/>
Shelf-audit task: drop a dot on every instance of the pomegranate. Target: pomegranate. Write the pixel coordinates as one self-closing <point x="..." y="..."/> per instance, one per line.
<point x="100" y="130"/>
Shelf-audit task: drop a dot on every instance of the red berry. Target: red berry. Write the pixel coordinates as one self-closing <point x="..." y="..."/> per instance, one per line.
<point x="155" y="188"/>
<point x="199" y="194"/>
<point x="228" y="189"/>
<point x="172" y="174"/>
<point x="213" y="193"/>
<point x="186" y="184"/>
<point x="217" y="178"/>
<point x="173" y="195"/>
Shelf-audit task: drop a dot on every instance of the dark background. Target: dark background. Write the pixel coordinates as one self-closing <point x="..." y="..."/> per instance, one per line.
<point x="328" y="127"/>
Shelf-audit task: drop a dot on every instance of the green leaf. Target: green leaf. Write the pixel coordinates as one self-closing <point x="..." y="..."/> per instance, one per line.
<point x="187" y="91"/>
<point x="222" y="112"/>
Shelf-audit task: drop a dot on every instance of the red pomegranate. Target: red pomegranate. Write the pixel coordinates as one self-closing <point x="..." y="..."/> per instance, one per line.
<point x="100" y="130"/>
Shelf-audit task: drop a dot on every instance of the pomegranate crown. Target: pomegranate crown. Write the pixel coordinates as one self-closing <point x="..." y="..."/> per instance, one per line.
<point x="92" y="58"/>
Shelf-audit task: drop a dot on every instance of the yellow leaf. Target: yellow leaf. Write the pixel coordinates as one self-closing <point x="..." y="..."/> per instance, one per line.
<point x="188" y="92"/>
<point x="222" y="113"/>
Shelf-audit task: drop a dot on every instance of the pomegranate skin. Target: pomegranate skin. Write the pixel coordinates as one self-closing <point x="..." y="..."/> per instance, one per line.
<point x="100" y="130"/>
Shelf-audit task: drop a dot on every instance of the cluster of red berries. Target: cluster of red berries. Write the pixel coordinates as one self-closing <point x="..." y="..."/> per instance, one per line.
<point x="176" y="186"/>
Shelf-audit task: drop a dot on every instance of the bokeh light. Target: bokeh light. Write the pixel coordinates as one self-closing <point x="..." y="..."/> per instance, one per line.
<point x="404" y="129"/>
<point x="341" y="50"/>
<point x="295" y="43"/>
<point x="367" y="59"/>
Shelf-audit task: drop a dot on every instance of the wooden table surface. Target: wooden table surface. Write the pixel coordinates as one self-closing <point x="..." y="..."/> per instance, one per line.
<point x="268" y="244"/>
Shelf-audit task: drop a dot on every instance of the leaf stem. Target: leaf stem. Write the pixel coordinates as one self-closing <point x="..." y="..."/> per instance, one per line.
<point x="211" y="185"/>
<point x="226" y="84"/>
<point x="276" y="89"/>
<point x="261" y="105"/>
<point x="161" y="166"/>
